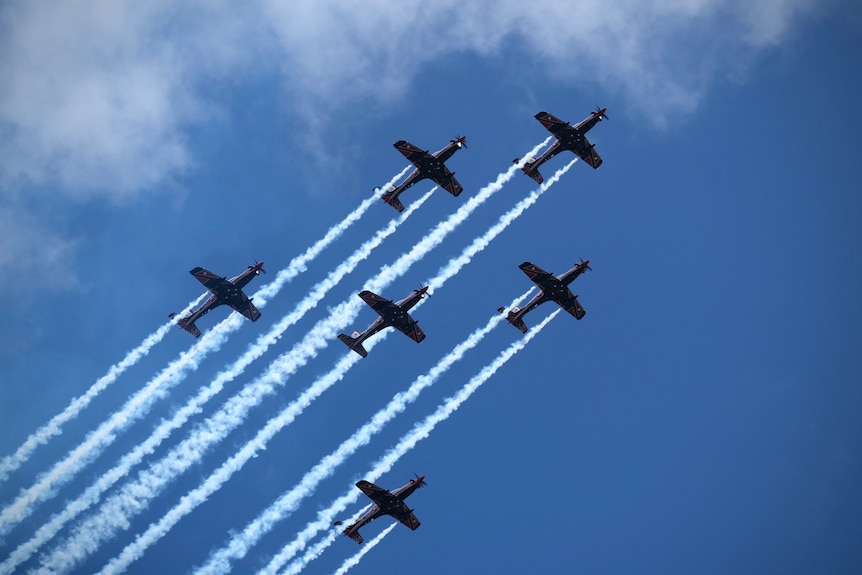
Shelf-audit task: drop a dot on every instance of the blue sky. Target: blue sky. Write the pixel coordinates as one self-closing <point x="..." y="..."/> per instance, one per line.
<point x="702" y="417"/>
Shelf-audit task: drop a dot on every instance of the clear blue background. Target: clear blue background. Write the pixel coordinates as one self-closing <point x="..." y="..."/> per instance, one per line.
<point x="702" y="418"/>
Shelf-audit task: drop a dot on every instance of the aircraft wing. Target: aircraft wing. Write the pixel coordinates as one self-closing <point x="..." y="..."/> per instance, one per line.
<point x="570" y="303"/>
<point x="408" y="519"/>
<point x="449" y="183"/>
<point x="589" y="155"/>
<point x="206" y="277"/>
<point x="553" y="124"/>
<point x="247" y="309"/>
<point x="375" y="492"/>
<point x="535" y="273"/>
<point x="376" y="302"/>
<point x="412" y="330"/>
<point x="412" y="153"/>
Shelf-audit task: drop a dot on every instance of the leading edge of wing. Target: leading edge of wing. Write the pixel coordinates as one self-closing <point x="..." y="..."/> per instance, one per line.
<point x="534" y="272"/>
<point x="550" y="122"/>
<point x="410" y="151"/>
<point x="372" y="299"/>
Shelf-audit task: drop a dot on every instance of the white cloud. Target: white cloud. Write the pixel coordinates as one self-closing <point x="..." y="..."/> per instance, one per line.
<point x="658" y="54"/>
<point x="98" y="96"/>
<point x="34" y="254"/>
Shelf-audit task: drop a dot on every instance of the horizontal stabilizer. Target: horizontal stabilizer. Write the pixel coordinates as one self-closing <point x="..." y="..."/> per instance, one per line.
<point x="354" y="535"/>
<point x="393" y="200"/>
<point x="533" y="172"/>
<point x="357" y="347"/>
<point x="517" y="321"/>
<point x="190" y="327"/>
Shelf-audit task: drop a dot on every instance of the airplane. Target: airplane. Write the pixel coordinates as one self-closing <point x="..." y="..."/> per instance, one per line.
<point x="385" y="503"/>
<point x="391" y="314"/>
<point x="568" y="138"/>
<point x="427" y="166"/>
<point x="552" y="289"/>
<point x="224" y="291"/>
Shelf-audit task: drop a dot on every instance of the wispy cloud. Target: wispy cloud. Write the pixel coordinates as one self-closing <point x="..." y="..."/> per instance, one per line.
<point x="100" y="96"/>
<point x="100" y="99"/>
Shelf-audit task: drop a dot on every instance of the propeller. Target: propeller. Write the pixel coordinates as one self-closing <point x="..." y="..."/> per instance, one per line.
<point x="423" y="483"/>
<point x="589" y="269"/>
<point x="604" y="116"/>
<point x="463" y="142"/>
<point x="261" y="269"/>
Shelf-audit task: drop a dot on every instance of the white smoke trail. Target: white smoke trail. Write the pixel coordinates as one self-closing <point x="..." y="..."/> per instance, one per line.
<point x="419" y="432"/>
<point x="166" y="427"/>
<point x="83" y="541"/>
<point x="481" y="242"/>
<point x="235" y="462"/>
<point x="41" y="436"/>
<point x="99" y="439"/>
<point x="313" y="552"/>
<point x="354" y="561"/>
<point x="239" y="545"/>
<point x="140" y="403"/>
<point x="300" y="264"/>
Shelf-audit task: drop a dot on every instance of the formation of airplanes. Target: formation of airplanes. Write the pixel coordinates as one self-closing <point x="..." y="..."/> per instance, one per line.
<point x="395" y="314"/>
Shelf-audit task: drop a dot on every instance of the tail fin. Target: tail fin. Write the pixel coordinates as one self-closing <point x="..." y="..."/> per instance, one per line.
<point x="393" y="200"/>
<point x="357" y="347"/>
<point x="533" y="172"/>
